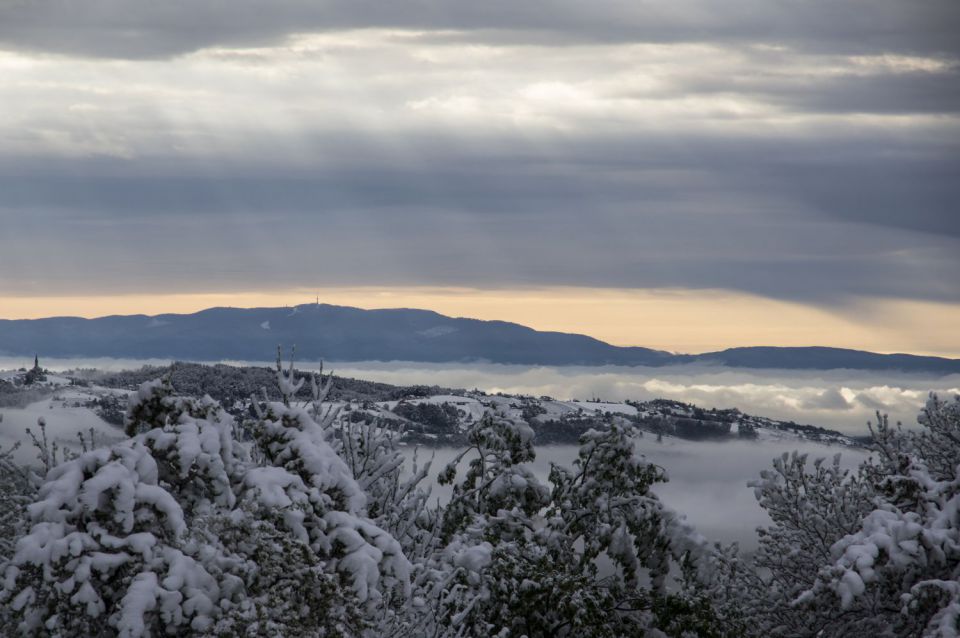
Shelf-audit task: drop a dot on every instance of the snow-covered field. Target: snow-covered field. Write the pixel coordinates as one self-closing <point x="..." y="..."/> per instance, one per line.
<point x="65" y="415"/>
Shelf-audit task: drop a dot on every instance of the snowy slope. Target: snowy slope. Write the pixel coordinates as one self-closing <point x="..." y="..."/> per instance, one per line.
<point x="66" y="415"/>
<point x="563" y="421"/>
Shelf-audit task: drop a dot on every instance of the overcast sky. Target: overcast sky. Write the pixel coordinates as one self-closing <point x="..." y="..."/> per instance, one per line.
<point x="799" y="153"/>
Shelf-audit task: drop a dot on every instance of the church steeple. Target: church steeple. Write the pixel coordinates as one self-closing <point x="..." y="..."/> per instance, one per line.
<point x="35" y="374"/>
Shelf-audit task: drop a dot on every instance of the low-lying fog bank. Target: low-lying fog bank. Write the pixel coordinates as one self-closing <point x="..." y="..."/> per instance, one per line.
<point x="707" y="481"/>
<point x="842" y="400"/>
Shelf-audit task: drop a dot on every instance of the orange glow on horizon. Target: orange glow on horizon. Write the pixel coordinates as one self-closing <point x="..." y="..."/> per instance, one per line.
<point x="674" y="320"/>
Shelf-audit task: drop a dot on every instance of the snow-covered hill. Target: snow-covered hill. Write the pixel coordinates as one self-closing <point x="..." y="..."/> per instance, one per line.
<point x="75" y="403"/>
<point x="67" y="410"/>
<point x="444" y="418"/>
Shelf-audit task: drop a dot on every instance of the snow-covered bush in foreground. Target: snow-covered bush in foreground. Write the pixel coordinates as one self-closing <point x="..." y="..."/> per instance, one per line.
<point x="109" y="541"/>
<point x="587" y="556"/>
<point x="177" y="530"/>
<point x="17" y="491"/>
<point x="811" y="508"/>
<point x="19" y="485"/>
<point x="906" y="554"/>
<point x="309" y="489"/>
<point x="300" y="523"/>
<point x="870" y="552"/>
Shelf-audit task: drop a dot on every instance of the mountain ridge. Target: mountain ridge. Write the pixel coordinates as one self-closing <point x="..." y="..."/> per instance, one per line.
<point x="345" y="333"/>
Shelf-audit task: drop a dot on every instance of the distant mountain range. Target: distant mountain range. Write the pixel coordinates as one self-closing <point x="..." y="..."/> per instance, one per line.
<point x="340" y="333"/>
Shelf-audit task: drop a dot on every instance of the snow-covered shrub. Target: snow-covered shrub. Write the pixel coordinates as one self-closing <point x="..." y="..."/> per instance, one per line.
<point x="156" y="405"/>
<point x="109" y="544"/>
<point x="496" y="480"/>
<point x="17" y="490"/>
<point x="182" y="529"/>
<point x="905" y="555"/>
<point x="812" y="507"/>
<point x="396" y="500"/>
<point x="287" y="588"/>
<point x="309" y="489"/>
<point x="398" y="503"/>
<point x="869" y="552"/>
<point x="524" y="559"/>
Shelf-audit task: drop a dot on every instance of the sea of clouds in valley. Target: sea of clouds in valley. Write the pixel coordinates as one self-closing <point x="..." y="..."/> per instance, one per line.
<point x="842" y="400"/>
<point x="707" y="480"/>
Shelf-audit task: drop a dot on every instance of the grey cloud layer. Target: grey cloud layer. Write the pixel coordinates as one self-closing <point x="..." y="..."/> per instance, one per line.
<point x="714" y="214"/>
<point x="125" y="28"/>
<point x="804" y="151"/>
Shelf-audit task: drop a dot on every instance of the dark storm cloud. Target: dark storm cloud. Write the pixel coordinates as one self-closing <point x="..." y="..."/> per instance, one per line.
<point x="133" y="29"/>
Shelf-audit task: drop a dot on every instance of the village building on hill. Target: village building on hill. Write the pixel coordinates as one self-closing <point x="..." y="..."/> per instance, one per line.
<point x="35" y="374"/>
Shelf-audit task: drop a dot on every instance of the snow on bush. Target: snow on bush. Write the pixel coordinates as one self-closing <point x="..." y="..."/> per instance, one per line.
<point x="108" y="543"/>
<point x="141" y="538"/>
<point x="906" y="553"/>
<point x="18" y="491"/>
<point x="310" y="489"/>
<point x="300" y="523"/>
<point x="869" y="552"/>
<point x="521" y="558"/>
